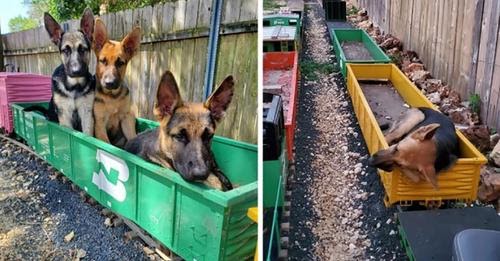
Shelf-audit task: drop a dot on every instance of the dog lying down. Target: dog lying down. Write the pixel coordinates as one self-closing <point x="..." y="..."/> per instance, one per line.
<point x="183" y="140"/>
<point x="422" y="143"/>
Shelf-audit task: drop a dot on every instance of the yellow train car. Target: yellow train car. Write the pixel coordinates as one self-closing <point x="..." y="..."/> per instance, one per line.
<point x="459" y="183"/>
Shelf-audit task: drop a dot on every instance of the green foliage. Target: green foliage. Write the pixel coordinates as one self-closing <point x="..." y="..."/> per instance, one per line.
<point x="310" y="69"/>
<point x="270" y="4"/>
<point x="353" y="10"/>
<point x="396" y="59"/>
<point x="475" y="103"/>
<point x="20" y="23"/>
<point x="63" y="10"/>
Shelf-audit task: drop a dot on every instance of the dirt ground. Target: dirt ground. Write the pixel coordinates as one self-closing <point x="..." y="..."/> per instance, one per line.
<point x="38" y="210"/>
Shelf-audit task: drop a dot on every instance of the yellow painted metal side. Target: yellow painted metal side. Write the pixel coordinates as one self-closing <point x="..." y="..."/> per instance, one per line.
<point x="253" y="214"/>
<point x="458" y="183"/>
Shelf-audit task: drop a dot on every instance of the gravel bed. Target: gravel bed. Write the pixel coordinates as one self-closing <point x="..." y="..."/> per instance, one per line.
<point x="37" y="212"/>
<point x="337" y="210"/>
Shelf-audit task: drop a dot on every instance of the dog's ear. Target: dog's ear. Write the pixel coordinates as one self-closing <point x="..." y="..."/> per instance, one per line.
<point x="100" y="35"/>
<point x="217" y="103"/>
<point x="87" y="23"/>
<point x="168" y="97"/>
<point x="53" y="28"/>
<point x="425" y="132"/>
<point x="429" y="174"/>
<point x="132" y="42"/>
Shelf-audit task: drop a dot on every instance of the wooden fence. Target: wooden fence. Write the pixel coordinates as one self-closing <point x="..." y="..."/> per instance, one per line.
<point x="174" y="37"/>
<point x="458" y="41"/>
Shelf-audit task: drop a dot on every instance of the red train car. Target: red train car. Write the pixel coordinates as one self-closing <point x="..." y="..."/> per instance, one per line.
<point x="21" y="87"/>
<point x="281" y="77"/>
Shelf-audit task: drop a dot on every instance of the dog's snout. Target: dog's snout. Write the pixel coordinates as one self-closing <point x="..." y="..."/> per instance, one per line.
<point x="192" y="170"/>
<point x="110" y="82"/>
<point x="198" y="170"/>
<point x="199" y="173"/>
<point x="76" y="68"/>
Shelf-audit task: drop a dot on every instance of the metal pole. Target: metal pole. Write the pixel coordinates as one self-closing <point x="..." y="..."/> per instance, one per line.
<point x="213" y="41"/>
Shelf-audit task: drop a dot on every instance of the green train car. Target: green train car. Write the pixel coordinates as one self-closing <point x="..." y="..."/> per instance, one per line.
<point x="280" y="38"/>
<point x="373" y="53"/>
<point x="282" y="32"/>
<point x="282" y="19"/>
<point x="192" y="220"/>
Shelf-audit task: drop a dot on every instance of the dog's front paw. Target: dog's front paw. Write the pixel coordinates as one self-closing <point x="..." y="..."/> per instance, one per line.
<point x="214" y="182"/>
<point x="219" y="182"/>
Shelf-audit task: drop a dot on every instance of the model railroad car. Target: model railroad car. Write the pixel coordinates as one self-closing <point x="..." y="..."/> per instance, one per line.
<point x="280" y="77"/>
<point x="459" y="183"/>
<point x="356" y="46"/>
<point x="275" y="173"/>
<point x="282" y="32"/>
<point x="272" y="226"/>
<point x="280" y="38"/>
<point x="335" y="10"/>
<point x="284" y="19"/>
<point x="281" y="43"/>
<point x="20" y="87"/>
<point x="275" y="165"/>
<point x="192" y="220"/>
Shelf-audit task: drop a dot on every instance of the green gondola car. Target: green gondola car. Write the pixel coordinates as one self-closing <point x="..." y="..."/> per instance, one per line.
<point x="345" y="54"/>
<point x="282" y="32"/>
<point x="192" y="220"/>
<point x="280" y="38"/>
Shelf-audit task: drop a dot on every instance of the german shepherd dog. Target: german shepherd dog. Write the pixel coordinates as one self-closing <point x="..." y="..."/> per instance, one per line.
<point x="422" y="143"/>
<point x="73" y="87"/>
<point x="183" y="140"/>
<point x="114" y="119"/>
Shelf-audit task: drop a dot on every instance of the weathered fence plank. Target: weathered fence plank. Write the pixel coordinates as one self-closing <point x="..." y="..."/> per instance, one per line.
<point x="175" y="38"/>
<point x="458" y="41"/>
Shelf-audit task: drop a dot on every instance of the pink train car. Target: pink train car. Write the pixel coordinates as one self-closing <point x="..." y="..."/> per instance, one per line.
<point x="21" y="87"/>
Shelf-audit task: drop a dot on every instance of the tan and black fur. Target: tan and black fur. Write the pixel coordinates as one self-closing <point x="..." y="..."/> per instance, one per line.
<point x="421" y="144"/>
<point x="114" y="119"/>
<point x="73" y="87"/>
<point x="183" y="140"/>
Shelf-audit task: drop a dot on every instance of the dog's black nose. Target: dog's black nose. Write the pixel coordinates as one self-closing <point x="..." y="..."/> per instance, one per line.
<point x="76" y="71"/>
<point x="199" y="173"/>
<point x="111" y="84"/>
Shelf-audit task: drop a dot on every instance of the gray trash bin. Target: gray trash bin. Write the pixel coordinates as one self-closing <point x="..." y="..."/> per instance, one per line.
<point x="476" y="244"/>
